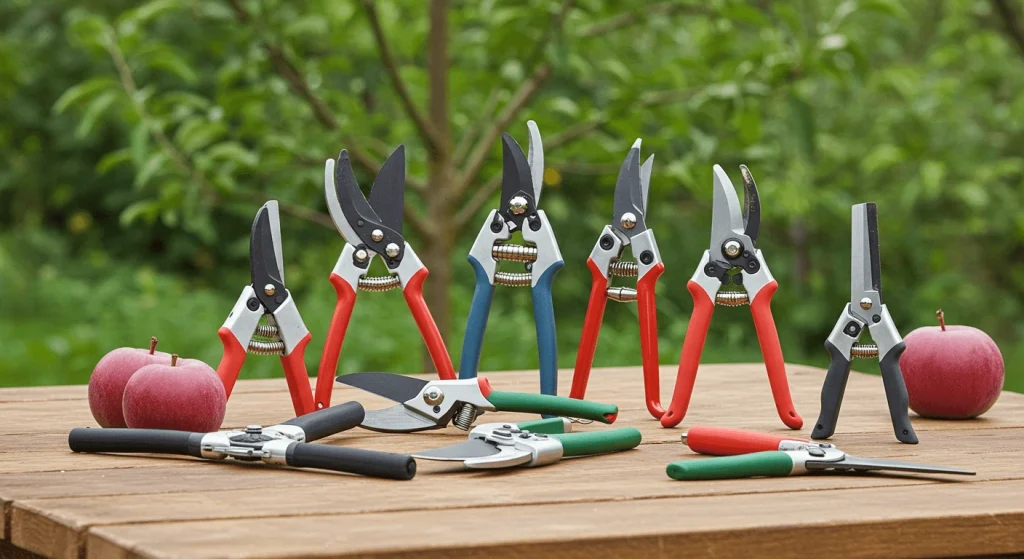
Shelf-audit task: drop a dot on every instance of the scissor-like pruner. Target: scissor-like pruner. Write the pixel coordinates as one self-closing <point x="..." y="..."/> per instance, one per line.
<point x="521" y="183"/>
<point x="733" y="239"/>
<point x="530" y="444"/>
<point x="865" y="310"/>
<point x="284" y="333"/>
<point x="628" y="228"/>
<point x="372" y="228"/>
<point x="424" y="405"/>
<point x="751" y="454"/>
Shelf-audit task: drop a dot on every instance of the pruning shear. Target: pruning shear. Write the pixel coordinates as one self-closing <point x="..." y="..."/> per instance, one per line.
<point x="373" y="228"/>
<point x="628" y="228"/>
<point x="424" y="405"/>
<point x="865" y="310"/>
<point x="733" y="239"/>
<point x="752" y="454"/>
<point x="284" y="333"/>
<point x="531" y="444"/>
<point x="287" y="443"/>
<point x="521" y="184"/>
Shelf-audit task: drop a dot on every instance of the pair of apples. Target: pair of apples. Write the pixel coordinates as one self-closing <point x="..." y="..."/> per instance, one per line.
<point x="150" y="389"/>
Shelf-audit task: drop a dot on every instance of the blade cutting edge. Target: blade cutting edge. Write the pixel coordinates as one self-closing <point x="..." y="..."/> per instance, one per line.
<point x="465" y="450"/>
<point x="392" y="386"/>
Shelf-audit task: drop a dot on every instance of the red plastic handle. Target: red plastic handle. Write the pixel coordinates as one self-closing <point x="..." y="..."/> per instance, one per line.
<point x="693" y="346"/>
<point x="232" y="360"/>
<point x="335" y="338"/>
<point x="771" y="349"/>
<point x="413" y="293"/>
<point x="648" y="310"/>
<point x="723" y="441"/>
<point x="591" y="331"/>
<point x="295" y="374"/>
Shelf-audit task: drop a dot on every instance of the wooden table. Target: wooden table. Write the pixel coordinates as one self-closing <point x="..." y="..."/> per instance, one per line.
<point x="59" y="504"/>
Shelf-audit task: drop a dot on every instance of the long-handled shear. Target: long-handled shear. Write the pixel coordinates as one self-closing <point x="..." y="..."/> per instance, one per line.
<point x="865" y="310"/>
<point x="521" y="184"/>
<point x="751" y="454"/>
<point x="628" y="228"/>
<point x="506" y="445"/>
<point x="434" y="404"/>
<point x="733" y="239"/>
<point x="373" y="228"/>
<point x="284" y="333"/>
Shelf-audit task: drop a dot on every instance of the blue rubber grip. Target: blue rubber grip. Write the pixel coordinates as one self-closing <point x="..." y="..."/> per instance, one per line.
<point x="544" y="317"/>
<point x="476" y="324"/>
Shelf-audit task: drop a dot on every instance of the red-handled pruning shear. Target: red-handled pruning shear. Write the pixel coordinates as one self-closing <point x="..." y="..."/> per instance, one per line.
<point x="372" y="228"/>
<point x="733" y="239"/>
<point x="628" y="227"/>
<point x="284" y="333"/>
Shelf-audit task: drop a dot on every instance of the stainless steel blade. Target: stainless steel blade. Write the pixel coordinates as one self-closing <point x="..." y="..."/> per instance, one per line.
<point x="265" y="248"/>
<point x="862" y="278"/>
<point x="333" y="204"/>
<point x="396" y="419"/>
<point x="751" y="204"/>
<point x="475" y="448"/>
<point x="515" y="178"/>
<point x="871" y="464"/>
<point x="627" y="197"/>
<point x="535" y="158"/>
<point x="726" y="216"/>
<point x="398" y="388"/>
<point x="645" y="182"/>
<point x="387" y="195"/>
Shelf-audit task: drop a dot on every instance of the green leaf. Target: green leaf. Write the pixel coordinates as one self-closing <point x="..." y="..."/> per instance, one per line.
<point x="138" y="144"/>
<point x="113" y="159"/>
<point x="232" y="151"/>
<point x="83" y="91"/>
<point x="93" y="111"/>
<point x="161" y="57"/>
<point x="196" y="133"/>
<point x="143" y="209"/>
<point x="153" y="165"/>
<point x="881" y="158"/>
<point x="148" y="12"/>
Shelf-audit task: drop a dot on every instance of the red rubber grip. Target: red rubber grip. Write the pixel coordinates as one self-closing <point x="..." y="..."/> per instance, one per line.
<point x="413" y="293"/>
<point x="335" y="338"/>
<point x="591" y="331"/>
<point x="724" y="441"/>
<point x="771" y="349"/>
<point x="294" y="365"/>
<point x="231" y="362"/>
<point x="693" y="346"/>
<point x="647" y="308"/>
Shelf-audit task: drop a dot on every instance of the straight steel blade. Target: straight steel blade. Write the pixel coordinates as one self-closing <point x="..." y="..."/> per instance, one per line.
<point x="387" y="195"/>
<point x="475" y="448"/>
<point x="872" y="464"/>
<point x="535" y="158"/>
<point x="863" y="254"/>
<point x="398" y="388"/>
<point x="396" y="419"/>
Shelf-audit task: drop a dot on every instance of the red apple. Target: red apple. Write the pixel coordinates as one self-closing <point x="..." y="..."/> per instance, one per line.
<point x="951" y="372"/>
<point x="106" y="385"/>
<point x="186" y="396"/>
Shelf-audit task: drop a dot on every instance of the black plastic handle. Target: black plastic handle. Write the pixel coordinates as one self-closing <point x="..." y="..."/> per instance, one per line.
<point x="351" y="460"/>
<point x="156" y="441"/>
<point x="896" y="394"/>
<point x="832" y="393"/>
<point x="328" y="421"/>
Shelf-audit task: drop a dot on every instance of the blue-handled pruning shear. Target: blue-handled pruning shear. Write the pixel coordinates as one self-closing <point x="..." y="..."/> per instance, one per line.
<point x="521" y="183"/>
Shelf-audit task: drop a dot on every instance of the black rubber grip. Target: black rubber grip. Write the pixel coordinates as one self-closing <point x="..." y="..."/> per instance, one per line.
<point x="896" y="394"/>
<point x="328" y="421"/>
<point x="351" y="460"/>
<point x="156" y="441"/>
<point x="832" y="393"/>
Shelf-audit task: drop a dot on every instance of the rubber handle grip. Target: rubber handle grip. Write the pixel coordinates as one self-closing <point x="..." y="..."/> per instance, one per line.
<point x="549" y="426"/>
<point x="832" y="391"/>
<point x="591" y="331"/>
<point x="693" y="346"/>
<point x="351" y="460"/>
<point x="553" y="405"/>
<point x="294" y="365"/>
<point x="771" y="350"/>
<point x="724" y="441"/>
<point x="232" y="360"/>
<point x="544" y="319"/>
<point x="598" y="442"/>
<point x="896" y="394"/>
<point x="413" y="292"/>
<point x="328" y="421"/>
<point x="335" y="339"/>
<point x="758" y="464"/>
<point x="647" y="309"/>
<point x="153" y="441"/>
<point x="476" y="323"/>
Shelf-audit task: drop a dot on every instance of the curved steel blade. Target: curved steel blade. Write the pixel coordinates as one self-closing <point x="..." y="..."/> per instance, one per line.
<point x="515" y="180"/>
<point x="387" y="195"/>
<point x="397" y="419"/>
<point x="628" y="197"/>
<point x="334" y="175"/>
<point x="645" y="182"/>
<point x="474" y="448"/>
<point x="398" y="388"/>
<point x="265" y="256"/>
<point x="726" y="217"/>
<point x="752" y="205"/>
<point x="872" y="464"/>
<point x="536" y="160"/>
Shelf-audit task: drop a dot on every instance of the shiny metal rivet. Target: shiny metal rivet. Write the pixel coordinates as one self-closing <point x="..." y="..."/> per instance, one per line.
<point x="361" y="255"/>
<point x="865" y="303"/>
<point x="253" y="429"/>
<point x="391" y="250"/>
<point x="269" y="289"/>
<point x="377" y="235"/>
<point x="628" y="220"/>
<point x="433" y="396"/>
<point x="517" y="205"/>
<point x="732" y="248"/>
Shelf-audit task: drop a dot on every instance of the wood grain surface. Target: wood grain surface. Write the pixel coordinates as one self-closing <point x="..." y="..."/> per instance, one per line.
<point x="59" y="504"/>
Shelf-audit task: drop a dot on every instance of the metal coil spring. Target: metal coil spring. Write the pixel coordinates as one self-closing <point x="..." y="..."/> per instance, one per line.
<point x="267" y="331"/>
<point x="621" y="294"/>
<point x="514" y="253"/>
<point x="732" y="298"/>
<point x="464" y="419"/>
<point x="513" y="279"/>
<point x="260" y="347"/>
<point x="864" y="351"/>
<point x="379" y="283"/>
<point x="624" y="269"/>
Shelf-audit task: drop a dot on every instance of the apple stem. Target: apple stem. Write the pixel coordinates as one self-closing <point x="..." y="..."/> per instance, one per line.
<point x="942" y="319"/>
<point x="152" y="345"/>
<point x="174" y="359"/>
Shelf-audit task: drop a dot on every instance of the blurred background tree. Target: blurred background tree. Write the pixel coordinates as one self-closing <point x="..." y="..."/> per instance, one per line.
<point x="137" y="140"/>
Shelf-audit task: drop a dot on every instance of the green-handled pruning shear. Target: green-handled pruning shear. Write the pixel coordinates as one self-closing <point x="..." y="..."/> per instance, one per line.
<point x="533" y="443"/>
<point x="434" y="404"/>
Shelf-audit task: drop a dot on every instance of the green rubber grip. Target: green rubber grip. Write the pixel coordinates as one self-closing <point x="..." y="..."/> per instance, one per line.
<point x="553" y="405"/>
<point x="549" y="426"/>
<point x="598" y="442"/>
<point x="772" y="463"/>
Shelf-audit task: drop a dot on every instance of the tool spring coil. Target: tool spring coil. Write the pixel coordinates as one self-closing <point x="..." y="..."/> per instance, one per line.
<point x="514" y="253"/>
<point x="624" y="269"/>
<point x="513" y="279"/>
<point x="259" y="347"/>
<point x="267" y="331"/>
<point x="732" y="298"/>
<point x="864" y="351"/>
<point x="464" y="419"/>
<point x="379" y="283"/>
